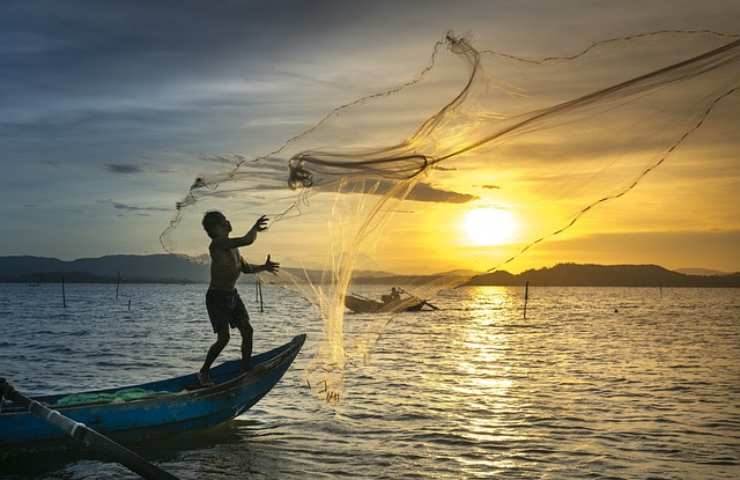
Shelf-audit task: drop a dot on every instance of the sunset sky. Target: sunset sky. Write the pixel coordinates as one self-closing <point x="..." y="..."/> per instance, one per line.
<point x="111" y="109"/>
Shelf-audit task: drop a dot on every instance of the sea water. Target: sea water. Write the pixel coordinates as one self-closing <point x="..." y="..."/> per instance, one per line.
<point x="594" y="383"/>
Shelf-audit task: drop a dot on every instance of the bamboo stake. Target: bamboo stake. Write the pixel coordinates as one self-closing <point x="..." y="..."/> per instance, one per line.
<point x="526" y="297"/>
<point x="262" y="302"/>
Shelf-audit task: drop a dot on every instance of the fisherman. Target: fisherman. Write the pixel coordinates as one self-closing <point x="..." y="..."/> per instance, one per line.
<point x="395" y="294"/>
<point x="225" y="307"/>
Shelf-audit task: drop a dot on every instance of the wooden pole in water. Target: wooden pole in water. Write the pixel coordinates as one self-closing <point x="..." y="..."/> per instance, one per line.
<point x="86" y="435"/>
<point x="526" y="297"/>
<point x="259" y="288"/>
<point x="118" y="284"/>
<point x="64" y="294"/>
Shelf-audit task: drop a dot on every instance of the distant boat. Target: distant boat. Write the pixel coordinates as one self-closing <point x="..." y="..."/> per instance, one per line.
<point x="360" y="304"/>
<point x="173" y="409"/>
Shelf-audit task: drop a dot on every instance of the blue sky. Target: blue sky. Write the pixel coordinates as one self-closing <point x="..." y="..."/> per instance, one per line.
<point x="108" y="110"/>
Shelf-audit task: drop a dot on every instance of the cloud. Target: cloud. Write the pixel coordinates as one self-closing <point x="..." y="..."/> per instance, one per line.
<point x="491" y="187"/>
<point x="340" y="85"/>
<point x="133" y="208"/>
<point x="232" y="160"/>
<point x="144" y="81"/>
<point x="422" y="192"/>
<point x="123" y="168"/>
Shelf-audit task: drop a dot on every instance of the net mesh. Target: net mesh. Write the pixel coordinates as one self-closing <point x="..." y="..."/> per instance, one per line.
<point x="544" y="140"/>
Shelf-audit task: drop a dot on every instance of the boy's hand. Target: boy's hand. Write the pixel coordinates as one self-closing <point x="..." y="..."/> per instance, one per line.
<point x="271" y="266"/>
<point x="261" y="224"/>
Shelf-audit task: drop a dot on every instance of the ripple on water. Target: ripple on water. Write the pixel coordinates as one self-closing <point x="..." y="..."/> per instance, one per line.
<point x="576" y="391"/>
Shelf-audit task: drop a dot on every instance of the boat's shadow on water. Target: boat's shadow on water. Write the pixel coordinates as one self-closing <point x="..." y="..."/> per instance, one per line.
<point x="186" y="455"/>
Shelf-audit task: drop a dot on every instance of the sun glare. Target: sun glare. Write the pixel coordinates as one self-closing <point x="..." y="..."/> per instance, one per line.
<point x="489" y="226"/>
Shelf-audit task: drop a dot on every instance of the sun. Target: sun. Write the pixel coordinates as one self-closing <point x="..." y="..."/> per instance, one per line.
<point x="489" y="226"/>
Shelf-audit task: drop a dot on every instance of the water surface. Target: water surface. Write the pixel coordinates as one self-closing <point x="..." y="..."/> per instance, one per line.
<point x="595" y="383"/>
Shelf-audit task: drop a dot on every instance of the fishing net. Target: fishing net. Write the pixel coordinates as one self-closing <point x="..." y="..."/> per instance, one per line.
<point x="384" y="182"/>
<point x="120" y="396"/>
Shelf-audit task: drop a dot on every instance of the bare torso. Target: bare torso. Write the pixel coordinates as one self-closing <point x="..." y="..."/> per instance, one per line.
<point x="226" y="266"/>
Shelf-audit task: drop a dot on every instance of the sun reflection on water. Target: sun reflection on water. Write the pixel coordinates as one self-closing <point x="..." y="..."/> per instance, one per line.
<point x="486" y="362"/>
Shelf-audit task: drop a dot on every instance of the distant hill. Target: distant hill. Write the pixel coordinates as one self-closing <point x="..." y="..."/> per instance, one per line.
<point x="454" y="277"/>
<point x="700" y="271"/>
<point x="132" y="268"/>
<point x="161" y="268"/>
<point x="180" y="269"/>
<point x="575" y="275"/>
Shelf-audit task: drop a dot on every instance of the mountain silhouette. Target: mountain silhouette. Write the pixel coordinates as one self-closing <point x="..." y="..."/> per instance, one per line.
<point x="181" y="269"/>
<point x="577" y="275"/>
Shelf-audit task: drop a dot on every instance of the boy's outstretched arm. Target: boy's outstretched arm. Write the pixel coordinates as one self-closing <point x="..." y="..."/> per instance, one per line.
<point x="269" y="266"/>
<point x="228" y="243"/>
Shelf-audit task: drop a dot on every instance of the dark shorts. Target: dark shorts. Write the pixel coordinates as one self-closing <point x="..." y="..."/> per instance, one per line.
<point x="224" y="308"/>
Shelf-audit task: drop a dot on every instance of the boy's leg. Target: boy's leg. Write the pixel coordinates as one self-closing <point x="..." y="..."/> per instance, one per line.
<point x="215" y="350"/>
<point x="246" y="330"/>
<point x="241" y="321"/>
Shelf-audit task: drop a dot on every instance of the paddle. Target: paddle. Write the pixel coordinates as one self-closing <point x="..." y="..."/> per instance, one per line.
<point x="86" y="435"/>
<point x="433" y="307"/>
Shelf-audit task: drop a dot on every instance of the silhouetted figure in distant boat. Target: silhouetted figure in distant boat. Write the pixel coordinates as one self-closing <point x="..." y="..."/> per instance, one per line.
<point x="225" y="307"/>
<point x="394" y="296"/>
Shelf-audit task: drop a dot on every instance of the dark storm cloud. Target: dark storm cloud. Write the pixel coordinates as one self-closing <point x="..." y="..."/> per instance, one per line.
<point x="123" y="168"/>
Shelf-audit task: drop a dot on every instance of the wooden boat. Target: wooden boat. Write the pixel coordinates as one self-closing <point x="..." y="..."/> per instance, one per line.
<point x="360" y="304"/>
<point x="174" y="408"/>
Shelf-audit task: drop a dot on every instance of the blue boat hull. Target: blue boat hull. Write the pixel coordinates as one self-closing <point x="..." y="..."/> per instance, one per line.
<point x="183" y="410"/>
